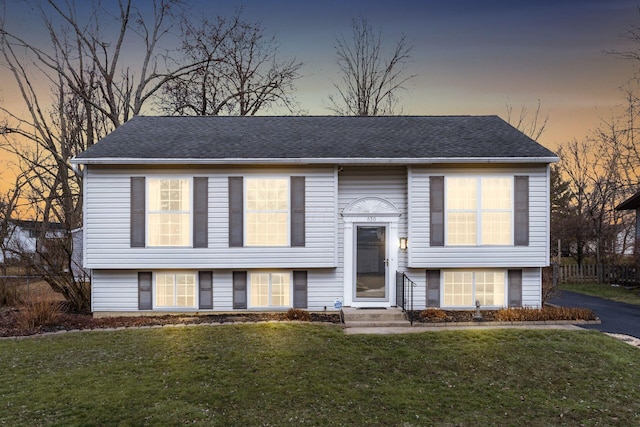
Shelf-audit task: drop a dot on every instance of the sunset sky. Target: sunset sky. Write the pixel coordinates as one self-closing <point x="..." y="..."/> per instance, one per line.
<point x="470" y="57"/>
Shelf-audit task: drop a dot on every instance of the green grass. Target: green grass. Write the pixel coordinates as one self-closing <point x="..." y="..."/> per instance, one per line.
<point x="615" y="293"/>
<point x="286" y="374"/>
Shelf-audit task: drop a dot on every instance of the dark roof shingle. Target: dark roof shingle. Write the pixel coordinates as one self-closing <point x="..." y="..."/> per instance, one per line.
<point x="315" y="137"/>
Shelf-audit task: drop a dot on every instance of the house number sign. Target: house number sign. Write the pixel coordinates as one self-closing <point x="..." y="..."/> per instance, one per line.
<point x="371" y="219"/>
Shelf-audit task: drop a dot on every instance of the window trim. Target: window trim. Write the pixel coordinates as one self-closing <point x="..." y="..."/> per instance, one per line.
<point x="155" y="293"/>
<point x="148" y="212"/>
<point x="245" y="210"/>
<point x="269" y="272"/>
<point x="479" y="210"/>
<point x="473" y="284"/>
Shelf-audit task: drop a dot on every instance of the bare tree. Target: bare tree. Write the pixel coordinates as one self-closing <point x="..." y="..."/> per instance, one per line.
<point x="240" y="72"/>
<point x="595" y="184"/>
<point x="369" y="82"/>
<point x="92" y="91"/>
<point x="532" y="124"/>
<point x="8" y="207"/>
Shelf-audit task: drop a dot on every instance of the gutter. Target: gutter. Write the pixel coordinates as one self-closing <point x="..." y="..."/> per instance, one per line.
<point x="311" y="161"/>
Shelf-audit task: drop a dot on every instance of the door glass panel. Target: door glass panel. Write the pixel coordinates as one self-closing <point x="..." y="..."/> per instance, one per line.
<point x="370" y="260"/>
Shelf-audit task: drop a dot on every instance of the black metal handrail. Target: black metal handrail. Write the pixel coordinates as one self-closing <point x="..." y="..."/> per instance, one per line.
<point x="404" y="294"/>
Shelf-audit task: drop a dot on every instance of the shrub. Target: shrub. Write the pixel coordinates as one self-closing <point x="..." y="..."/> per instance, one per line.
<point x="32" y="315"/>
<point x="434" y="315"/>
<point x="544" y="314"/>
<point x="298" y="314"/>
<point x="9" y="292"/>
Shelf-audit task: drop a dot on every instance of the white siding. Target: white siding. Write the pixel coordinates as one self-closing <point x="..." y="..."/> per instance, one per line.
<point x="107" y="227"/>
<point x="421" y="255"/>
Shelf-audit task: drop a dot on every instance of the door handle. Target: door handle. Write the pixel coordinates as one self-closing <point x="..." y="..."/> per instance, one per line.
<point x="386" y="262"/>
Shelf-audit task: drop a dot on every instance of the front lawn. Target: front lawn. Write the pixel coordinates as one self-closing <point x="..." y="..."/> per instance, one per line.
<point x="305" y="374"/>
<point x="606" y="291"/>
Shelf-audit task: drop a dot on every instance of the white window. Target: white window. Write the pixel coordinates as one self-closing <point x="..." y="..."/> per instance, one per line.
<point x="464" y="288"/>
<point x="175" y="290"/>
<point x="267" y="211"/>
<point x="270" y="289"/>
<point x="169" y="213"/>
<point x="479" y="210"/>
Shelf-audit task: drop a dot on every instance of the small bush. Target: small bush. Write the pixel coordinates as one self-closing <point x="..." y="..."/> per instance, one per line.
<point x="544" y="314"/>
<point x="434" y="315"/>
<point x="9" y="292"/>
<point x="298" y="314"/>
<point x="33" y="315"/>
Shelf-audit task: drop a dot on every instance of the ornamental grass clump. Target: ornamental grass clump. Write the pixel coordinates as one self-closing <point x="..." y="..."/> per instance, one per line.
<point x="298" y="314"/>
<point x="33" y="315"/>
<point x="544" y="314"/>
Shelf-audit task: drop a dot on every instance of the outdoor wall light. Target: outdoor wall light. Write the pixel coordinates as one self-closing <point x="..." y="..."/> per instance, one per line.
<point x="403" y="243"/>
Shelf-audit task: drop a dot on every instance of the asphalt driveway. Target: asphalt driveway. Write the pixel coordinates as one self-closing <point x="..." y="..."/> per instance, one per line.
<point x="616" y="317"/>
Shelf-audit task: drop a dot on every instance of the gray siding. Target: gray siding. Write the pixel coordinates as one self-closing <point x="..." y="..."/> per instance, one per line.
<point x="531" y="287"/>
<point x="117" y="290"/>
<point x="328" y="192"/>
<point x="107" y="224"/>
<point x="421" y="255"/>
<point x="114" y="290"/>
<point x="388" y="183"/>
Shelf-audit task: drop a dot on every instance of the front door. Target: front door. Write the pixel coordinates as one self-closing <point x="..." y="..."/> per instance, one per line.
<point x="371" y="264"/>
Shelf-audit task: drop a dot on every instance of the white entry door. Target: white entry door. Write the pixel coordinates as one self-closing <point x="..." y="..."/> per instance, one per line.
<point x="371" y="282"/>
<point x="370" y="252"/>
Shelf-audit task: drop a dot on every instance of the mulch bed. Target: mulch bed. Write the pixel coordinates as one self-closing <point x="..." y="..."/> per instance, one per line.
<point x="456" y="316"/>
<point x="9" y="325"/>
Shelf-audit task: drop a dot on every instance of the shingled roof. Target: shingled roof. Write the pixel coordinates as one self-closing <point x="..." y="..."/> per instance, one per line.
<point x="313" y="139"/>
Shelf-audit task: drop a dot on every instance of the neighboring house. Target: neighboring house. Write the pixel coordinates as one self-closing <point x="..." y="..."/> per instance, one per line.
<point x="268" y="213"/>
<point x="80" y="274"/>
<point x="22" y="238"/>
<point x="633" y="204"/>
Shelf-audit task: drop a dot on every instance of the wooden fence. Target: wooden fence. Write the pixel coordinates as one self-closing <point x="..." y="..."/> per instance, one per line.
<point x="599" y="273"/>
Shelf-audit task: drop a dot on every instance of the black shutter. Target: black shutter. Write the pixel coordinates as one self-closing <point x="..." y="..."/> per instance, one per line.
<point x="145" y="290"/>
<point x="205" y="283"/>
<point x="137" y="238"/>
<point x="436" y="207"/>
<point x="236" y="211"/>
<point x="200" y="212"/>
<point x="300" y="289"/>
<point x="239" y="289"/>
<point x="521" y="211"/>
<point x="433" y="288"/>
<point x="297" y="211"/>
<point x="515" y="288"/>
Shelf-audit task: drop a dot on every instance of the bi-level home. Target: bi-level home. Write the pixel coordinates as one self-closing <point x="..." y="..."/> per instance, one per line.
<point x="199" y="214"/>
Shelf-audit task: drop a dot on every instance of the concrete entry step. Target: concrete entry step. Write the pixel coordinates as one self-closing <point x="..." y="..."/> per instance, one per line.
<point x="374" y="318"/>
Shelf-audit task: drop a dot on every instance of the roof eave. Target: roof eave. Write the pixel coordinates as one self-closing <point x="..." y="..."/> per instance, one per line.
<point x="631" y="203"/>
<point x="310" y="161"/>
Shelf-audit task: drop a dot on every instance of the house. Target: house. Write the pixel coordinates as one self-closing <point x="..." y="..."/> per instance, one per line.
<point x="198" y="214"/>
<point x="23" y="238"/>
<point x="80" y="274"/>
<point x="633" y="204"/>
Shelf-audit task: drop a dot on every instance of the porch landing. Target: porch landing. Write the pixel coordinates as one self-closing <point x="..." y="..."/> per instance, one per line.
<point x="374" y="318"/>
